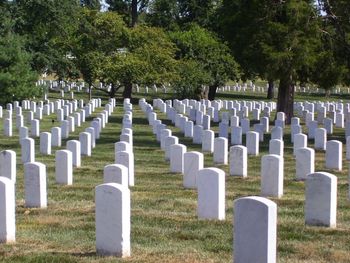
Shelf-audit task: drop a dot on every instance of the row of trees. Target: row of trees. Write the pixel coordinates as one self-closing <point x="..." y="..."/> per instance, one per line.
<point x="187" y="43"/>
<point x="72" y="39"/>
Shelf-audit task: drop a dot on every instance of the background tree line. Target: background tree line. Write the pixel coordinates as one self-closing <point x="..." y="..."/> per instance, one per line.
<point x="187" y="44"/>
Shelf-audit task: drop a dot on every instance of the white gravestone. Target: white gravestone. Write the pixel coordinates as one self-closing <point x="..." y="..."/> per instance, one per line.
<point x="35" y="185"/>
<point x="238" y="161"/>
<point x="64" y="167"/>
<point x="56" y="139"/>
<point x="220" y="150"/>
<point x="116" y="173"/>
<point x="8" y="164"/>
<point x="211" y="194"/>
<point x="305" y="162"/>
<point x="85" y="143"/>
<point x="208" y="141"/>
<point x="252" y="143"/>
<point x="255" y="231"/>
<point x="177" y="152"/>
<point x="321" y="199"/>
<point x="126" y="159"/>
<point x="193" y="162"/>
<point x="272" y="175"/>
<point x="74" y="147"/>
<point x="334" y="155"/>
<point x="112" y="215"/>
<point x="45" y="143"/>
<point x="7" y="211"/>
<point x="27" y="150"/>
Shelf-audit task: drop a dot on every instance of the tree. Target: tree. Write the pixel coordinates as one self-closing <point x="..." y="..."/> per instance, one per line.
<point x="131" y="9"/>
<point x="276" y="39"/>
<point x="17" y="80"/>
<point x="48" y="27"/>
<point x="191" y="80"/>
<point x="336" y="32"/>
<point x="147" y="58"/>
<point x="203" y="46"/>
<point x="99" y="34"/>
<point x="92" y="4"/>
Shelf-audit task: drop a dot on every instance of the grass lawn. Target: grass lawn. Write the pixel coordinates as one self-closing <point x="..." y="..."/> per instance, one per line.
<point x="164" y="225"/>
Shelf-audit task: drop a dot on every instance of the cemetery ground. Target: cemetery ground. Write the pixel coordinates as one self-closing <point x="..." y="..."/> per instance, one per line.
<point x="164" y="223"/>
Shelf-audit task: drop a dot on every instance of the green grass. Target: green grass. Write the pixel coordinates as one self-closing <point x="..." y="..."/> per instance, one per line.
<point x="164" y="224"/>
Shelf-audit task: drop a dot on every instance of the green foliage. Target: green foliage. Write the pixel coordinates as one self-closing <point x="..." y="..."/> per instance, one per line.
<point x="192" y="76"/>
<point x="207" y="50"/>
<point x="97" y="35"/>
<point x="336" y="29"/>
<point x="147" y="58"/>
<point x="48" y="27"/>
<point x="16" y="77"/>
<point x="163" y="13"/>
<point x="91" y="4"/>
<point x="271" y="39"/>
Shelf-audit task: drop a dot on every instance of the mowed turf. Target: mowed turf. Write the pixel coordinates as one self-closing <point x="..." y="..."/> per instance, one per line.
<point x="164" y="224"/>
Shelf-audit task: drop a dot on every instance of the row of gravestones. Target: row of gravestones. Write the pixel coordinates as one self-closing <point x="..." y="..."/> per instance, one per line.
<point x="271" y="165"/>
<point x="35" y="187"/>
<point x="219" y="145"/>
<point x="257" y="89"/>
<point x="112" y="198"/>
<point x="320" y="207"/>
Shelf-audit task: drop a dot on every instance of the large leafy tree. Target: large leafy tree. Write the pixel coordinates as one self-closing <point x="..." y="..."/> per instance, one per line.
<point x="203" y="46"/>
<point x="48" y="27"/>
<point x="130" y="9"/>
<point x="16" y="76"/>
<point x="276" y="39"/>
<point x="336" y="32"/>
<point x="147" y="58"/>
<point x="99" y="34"/>
<point x="178" y="13"/>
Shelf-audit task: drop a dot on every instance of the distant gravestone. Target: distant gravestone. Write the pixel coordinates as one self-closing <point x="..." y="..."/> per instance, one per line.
<point x="177" y="152"/>
<point x="272" y="175"/>
<point x="238" y="161"/>
<point x="8" y="164"/>
<point x="112" y="215"/>
<point x="320" y="139"/>
<point x="321" y="199"/>
<point x="116" y="173"/>
<point x="126" y="159"/>
<point x="208" y="141"/>
<point x="334" y="155"/>
<point x="193" y="162"/>
<point x="45" y="143"/>
<point x="74" y="147"/>
<point x="305" y="162"/>
<point x="85" y="143"/>
<point x="255" y="230"/>
<point x="56" y="139"/>
<point x="220" y="150"/>
<point x="300" y="141"/>
<point x="64" y="167"/>
<point x="252" y="143"/>
<point x="27" y="150"/>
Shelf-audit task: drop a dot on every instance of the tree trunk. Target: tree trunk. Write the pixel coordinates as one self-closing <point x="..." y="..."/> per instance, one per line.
<point x="270" y="90"/>
<point x="134" y="13"/>
<point x="112" y="91"/>
<point x="127" y="90"/>
<point x="327" y="93"/>
<point x="286" y="97"/>
<point x="90" y="91"/>
<point x="212" y="92"/>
